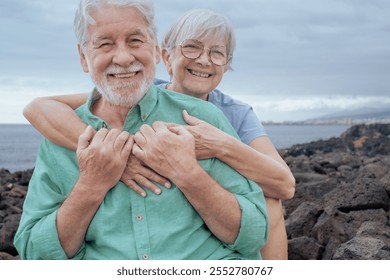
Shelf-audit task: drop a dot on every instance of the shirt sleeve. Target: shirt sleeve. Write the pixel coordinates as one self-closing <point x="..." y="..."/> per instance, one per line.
<point x="250" y="127"/>
<point x="37" y="236"/>
<point x="253" y="233"/>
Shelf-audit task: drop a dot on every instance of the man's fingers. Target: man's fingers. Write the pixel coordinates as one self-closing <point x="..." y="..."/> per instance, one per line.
<point x="100" y="135"/>
<point x="85" y="138"/>
<point x="139" y="139"/>
<point x="111" y="136"/>
<point x="126" y="151"/>
<point x="119" y="140"/>
<point x="138" y="152"/>
<point x="160" y="126"/>
<point x="179" y="130"/>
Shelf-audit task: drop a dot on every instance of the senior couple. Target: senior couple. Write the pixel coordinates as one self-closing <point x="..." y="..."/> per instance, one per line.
<point x="159" y="171"/>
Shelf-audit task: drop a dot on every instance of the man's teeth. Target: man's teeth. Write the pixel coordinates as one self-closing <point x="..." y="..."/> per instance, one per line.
<point x="126" y="75"/>
<point x="202" y="75"/>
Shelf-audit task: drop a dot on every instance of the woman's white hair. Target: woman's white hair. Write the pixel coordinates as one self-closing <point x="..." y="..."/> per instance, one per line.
<point x="83" y="15"/>
<point x="201" y="24"/>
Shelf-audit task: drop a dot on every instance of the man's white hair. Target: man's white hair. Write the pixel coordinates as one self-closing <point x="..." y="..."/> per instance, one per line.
<point x="83" y="15"/>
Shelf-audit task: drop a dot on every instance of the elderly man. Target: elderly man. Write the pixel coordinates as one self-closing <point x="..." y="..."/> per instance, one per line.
<point x="76" y="206"/>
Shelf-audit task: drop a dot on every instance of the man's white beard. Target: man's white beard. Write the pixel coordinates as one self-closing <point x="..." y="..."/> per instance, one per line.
<point x="135" y="90"/>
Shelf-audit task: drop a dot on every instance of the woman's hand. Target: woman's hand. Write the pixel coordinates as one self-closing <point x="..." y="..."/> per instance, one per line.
<point x="208" y="139"/>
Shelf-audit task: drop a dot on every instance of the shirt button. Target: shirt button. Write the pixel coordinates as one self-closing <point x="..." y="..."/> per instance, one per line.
<point x="139" y="217"/>
<point x="145" y="257"/>
<point x="143" y="117"/>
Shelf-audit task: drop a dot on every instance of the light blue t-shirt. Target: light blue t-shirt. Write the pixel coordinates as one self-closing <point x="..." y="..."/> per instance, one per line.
<point x="240" y="115"/>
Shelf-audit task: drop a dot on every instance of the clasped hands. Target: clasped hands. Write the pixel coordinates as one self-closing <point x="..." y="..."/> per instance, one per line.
<point x="161" y="153"/>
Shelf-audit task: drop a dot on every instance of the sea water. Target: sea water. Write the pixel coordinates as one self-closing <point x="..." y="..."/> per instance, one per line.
<point x="19" y="143"/>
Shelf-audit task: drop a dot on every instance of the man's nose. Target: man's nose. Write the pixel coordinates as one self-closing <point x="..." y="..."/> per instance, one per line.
<point x="123" y="56"/>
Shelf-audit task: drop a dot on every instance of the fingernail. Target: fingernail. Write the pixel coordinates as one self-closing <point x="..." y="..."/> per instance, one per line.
<point x="167" y="185"/>
<point x="157" y="191"/>
<point x="143" y="194"/>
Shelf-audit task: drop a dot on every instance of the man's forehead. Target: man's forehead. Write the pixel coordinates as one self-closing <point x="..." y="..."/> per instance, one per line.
<point x="118" y="22"/>
<point x="101" y="33"/>
<point x="111" y="15"/>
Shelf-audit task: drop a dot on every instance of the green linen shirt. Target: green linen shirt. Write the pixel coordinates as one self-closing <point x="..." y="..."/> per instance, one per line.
<point x="126" y="225"/>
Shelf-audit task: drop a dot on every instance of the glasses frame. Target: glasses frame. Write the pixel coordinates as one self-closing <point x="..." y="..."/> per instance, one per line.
<point x="229" y="57"/>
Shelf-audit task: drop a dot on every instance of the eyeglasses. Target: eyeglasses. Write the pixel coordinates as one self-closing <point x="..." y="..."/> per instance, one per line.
<point x="193" y="49"/>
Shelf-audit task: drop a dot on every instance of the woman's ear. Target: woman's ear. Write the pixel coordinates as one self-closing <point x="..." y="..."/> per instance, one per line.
<point x="226" y="68"/>
<point x="158" y="54"/>
<point x="166" y="58"/>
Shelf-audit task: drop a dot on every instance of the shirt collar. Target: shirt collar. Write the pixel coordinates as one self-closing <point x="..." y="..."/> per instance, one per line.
<point x="148" y="102"/>
<point x="145" y="107"/>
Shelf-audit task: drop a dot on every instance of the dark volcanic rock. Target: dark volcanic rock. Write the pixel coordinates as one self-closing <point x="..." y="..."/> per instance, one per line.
<point x="341" y="205"/>
<point x="12" y="193"/>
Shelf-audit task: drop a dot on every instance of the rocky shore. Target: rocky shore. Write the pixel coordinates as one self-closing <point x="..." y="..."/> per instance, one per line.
<point x="341" y="209"/>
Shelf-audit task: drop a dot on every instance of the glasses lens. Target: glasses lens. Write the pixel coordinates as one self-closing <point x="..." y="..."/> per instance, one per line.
<point x="191" y="49"/>
<point x="219" y="55"/>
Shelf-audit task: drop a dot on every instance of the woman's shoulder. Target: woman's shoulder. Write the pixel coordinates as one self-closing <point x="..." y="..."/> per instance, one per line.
<point x="221" y="99"/>
<point x="188" y="102"/>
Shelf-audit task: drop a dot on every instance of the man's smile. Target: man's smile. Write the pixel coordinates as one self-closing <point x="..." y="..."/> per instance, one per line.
<point x="123" y="75"/>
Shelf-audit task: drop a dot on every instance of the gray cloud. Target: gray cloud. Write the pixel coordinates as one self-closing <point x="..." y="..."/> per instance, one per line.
<point x="285" y="48"/>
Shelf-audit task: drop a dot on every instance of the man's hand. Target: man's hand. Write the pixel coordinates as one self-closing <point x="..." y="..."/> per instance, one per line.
<point x="136" y="174"/>
<point x="170" y="151"/>
<point x="103" y="157"/>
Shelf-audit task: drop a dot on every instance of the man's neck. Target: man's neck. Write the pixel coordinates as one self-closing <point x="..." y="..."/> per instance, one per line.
<point x="114" y="115"/>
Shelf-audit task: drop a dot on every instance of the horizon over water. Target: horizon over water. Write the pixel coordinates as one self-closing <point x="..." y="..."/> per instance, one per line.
<point x="19" y="143"/>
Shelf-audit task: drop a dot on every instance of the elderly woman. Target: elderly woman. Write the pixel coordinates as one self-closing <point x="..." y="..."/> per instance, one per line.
<point x="197" y="50"/>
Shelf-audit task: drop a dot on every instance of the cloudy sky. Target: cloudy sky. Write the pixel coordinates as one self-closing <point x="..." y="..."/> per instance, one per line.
<point x="295" y="59"/>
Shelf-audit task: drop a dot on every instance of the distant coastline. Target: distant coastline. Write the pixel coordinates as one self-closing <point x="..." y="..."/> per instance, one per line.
<point x="344" y="121"/>
<point x="359" y="116"/>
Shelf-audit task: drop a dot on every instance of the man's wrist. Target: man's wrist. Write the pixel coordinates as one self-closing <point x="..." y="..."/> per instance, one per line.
<point x="89" y="190"/>
<point x="186" y="177"/>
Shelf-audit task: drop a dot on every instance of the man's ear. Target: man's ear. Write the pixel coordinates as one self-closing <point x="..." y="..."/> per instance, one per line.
<point x="83" y="60"/>
<point x="165" y="56"/>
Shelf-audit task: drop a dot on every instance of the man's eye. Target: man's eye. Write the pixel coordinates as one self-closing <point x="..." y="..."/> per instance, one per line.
<point x="134" y="43"/>
<point x="104" y="45"/>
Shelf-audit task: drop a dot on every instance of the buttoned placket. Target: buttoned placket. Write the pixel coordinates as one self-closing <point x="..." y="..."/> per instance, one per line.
<point x="136" y="117"/>
<point x="141" y="231"/>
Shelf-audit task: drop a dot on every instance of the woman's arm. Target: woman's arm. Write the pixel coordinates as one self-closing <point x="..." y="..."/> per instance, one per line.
<point x="55" y="118"/>
<point x="259" y="161"/>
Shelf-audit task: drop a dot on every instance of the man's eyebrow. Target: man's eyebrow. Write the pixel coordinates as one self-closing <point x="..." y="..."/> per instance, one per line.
<point x="99" y="39"/>
<point x="137" y="32"/>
